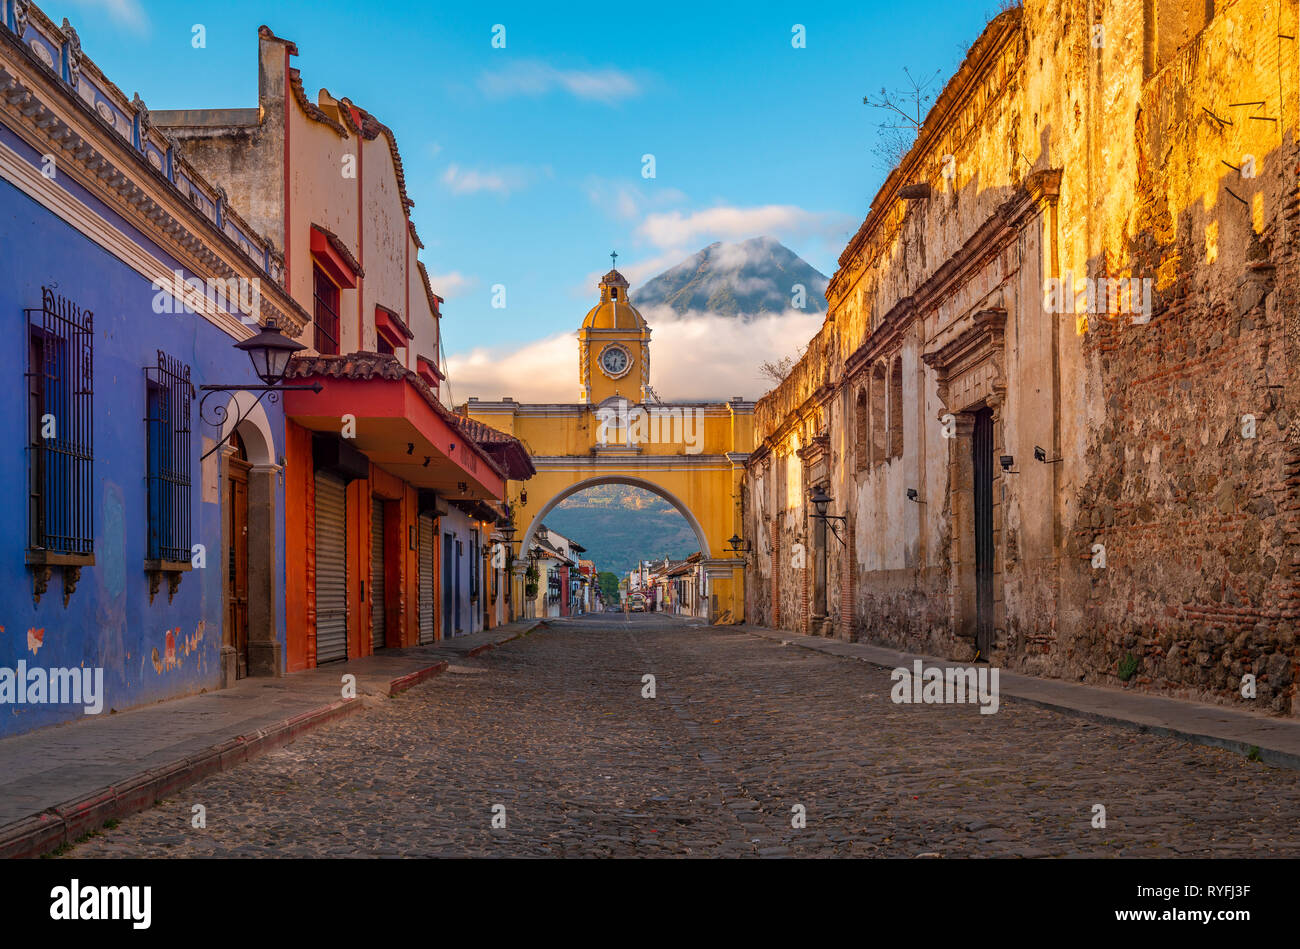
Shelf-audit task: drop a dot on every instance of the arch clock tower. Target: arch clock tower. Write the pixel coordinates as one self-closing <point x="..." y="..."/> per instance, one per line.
<point x="613" y="347"/>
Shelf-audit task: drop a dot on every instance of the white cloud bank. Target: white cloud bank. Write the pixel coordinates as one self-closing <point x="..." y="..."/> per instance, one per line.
<point x="453" y="284"/>
<point x="699" y="356"/>
<point x="675" y="229"/>
<point x="471" y="181"/>
<point x="534" y="78"/>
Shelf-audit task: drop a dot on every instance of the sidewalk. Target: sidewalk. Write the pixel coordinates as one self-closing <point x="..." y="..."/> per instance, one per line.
<point x="1274" y="741"/>
<point x="58" y="783"/>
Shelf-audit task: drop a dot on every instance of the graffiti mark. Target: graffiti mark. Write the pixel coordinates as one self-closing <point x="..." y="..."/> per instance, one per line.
<point x="176" y="648"/>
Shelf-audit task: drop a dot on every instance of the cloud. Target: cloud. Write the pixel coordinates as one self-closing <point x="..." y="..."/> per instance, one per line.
<point x="533" y="78"/>
<point x="542" y="371"/>
<point x="454" y="284"/>
<point x="675" y="229"/>
<point x="698" y="356"/>
<point x="126" y="13"/>
<point x="636" y="273"/>
<point x="707" y="356"/>
<point x="472" y="181"/>
<point x="629" y="201"/>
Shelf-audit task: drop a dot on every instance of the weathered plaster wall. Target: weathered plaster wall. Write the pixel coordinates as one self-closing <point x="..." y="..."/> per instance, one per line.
<point x="1140" y="421"/>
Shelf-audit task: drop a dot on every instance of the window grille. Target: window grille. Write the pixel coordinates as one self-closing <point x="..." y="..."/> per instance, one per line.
<point x="170" y="397"/>
<point x="325" y="315"/>
<point x="60" y="405"/>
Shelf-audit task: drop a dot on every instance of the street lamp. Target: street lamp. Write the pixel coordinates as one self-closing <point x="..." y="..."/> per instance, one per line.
<point x="820" y="502"/>
<point x="270" y="352"/>
<point x="737" y="546"/>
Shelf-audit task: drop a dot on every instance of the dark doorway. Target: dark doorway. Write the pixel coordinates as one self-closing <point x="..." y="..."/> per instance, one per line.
<point x="449" y="573"/>
<point x="460" y="552"/>
<point x="982" y="449"/>
<point x="237" y="569"/>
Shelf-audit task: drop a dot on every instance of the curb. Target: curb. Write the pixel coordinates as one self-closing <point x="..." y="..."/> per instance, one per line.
<point x="518" y="634"/>
<point x="1268" y="756"/>
<point x="402" y="683"/>
<point x="40" y="833"/>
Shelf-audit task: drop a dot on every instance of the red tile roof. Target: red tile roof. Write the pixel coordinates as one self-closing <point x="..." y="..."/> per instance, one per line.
<point x="504" y="453"/>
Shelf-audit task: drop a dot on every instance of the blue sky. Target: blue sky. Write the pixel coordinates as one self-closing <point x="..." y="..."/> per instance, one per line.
<point x="525" y="163"/>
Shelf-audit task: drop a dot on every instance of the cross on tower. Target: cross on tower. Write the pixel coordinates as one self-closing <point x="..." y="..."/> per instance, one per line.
<point x="614" y="257"/>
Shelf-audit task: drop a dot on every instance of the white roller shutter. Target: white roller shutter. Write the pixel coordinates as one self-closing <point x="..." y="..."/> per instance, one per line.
<point x="427" y="579"/>
<point x="331" y="568"/>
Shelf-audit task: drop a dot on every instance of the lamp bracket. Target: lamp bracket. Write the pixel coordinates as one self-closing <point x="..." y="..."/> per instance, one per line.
<point x="216" y="414"/>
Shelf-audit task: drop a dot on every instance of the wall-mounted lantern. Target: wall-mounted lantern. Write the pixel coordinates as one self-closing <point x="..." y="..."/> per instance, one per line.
<point x="270" y="352"/>
<point x="821" y="501"/>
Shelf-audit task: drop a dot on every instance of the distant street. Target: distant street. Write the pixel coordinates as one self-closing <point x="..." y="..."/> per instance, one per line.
<point x="741" y="734"/>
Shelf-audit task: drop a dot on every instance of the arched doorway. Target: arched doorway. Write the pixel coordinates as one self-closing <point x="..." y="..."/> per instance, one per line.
<point x="249" y="479"/>
<point x="236" y="633"/>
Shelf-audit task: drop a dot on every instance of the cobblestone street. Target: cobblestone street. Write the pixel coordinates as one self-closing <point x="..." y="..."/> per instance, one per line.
<point x="555" y="728"/>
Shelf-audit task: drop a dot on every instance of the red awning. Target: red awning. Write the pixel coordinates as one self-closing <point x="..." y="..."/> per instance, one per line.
<point x="334" y="258"/>
<point x="400" y="425"/>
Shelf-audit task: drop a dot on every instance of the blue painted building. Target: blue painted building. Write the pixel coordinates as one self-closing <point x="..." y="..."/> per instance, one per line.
<point x="135" y="541"/>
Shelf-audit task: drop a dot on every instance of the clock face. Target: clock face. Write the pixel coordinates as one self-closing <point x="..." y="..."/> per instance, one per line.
<point x="614" y="360"/>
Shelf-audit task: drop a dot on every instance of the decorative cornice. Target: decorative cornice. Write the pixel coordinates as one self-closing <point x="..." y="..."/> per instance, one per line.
<point x="114" y="168"/>
<point x="883" y="339"/>
<point x="117" y="177"/>
<point x="311" y="110"/>
<point x="435" y="301"/>
<point x="974" y="66"/>
<point x="265" y="33"/>
<point x="984" y="338"/>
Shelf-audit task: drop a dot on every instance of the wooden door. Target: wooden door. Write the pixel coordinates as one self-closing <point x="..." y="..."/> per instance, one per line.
<point x="982" y="448"/>
<point x="237" y="568"/>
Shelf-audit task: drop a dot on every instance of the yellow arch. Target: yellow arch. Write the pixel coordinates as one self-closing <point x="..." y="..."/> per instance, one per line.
<point x="699" y="476"/>
<point x="632" y="481"/>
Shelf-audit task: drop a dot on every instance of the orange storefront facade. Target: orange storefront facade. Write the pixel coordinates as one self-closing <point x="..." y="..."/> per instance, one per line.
<point x="391" y="499"/>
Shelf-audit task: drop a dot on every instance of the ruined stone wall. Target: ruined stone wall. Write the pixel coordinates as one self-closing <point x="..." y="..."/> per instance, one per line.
<point x="1197" y="520"/>
<point x="1163" y="174"/>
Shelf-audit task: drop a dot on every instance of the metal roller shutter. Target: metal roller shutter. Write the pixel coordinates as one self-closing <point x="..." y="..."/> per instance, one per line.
<point x="427" y="600"/>
<point x="377" y="606"/>
<point x="331" y="568"/>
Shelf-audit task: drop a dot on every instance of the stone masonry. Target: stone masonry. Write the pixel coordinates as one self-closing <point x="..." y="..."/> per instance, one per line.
<point x="1053" y="395"/>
